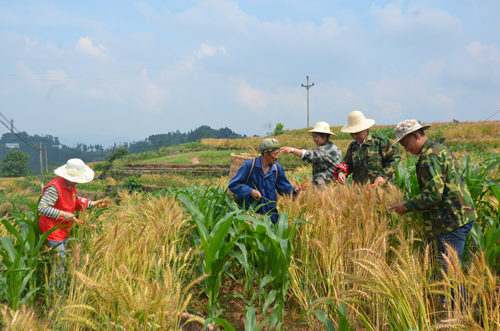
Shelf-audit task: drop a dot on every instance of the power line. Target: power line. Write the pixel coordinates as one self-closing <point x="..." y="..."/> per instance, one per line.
<point x="12" y="129"/>
<point x="498" y="111"/>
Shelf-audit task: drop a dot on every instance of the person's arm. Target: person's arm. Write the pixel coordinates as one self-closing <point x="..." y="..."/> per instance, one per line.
<point x="83" y="203"/>
<point x="320" y="155"/>
<point x="431" y="193"/>
<point x="47" y="202"/>
<point x="292" y="150"/>
<point x="237" y="184"/>
<point x="391" y="157"/>
<point x="344" y="169"/>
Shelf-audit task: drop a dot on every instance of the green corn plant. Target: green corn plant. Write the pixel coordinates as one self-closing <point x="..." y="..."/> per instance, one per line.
<point x="271" y="251"/>
<point x="405" y="177"/>
<point x="340" y="312"/>
<point x="476" y="173"/>
<point x="213" y="221"/>
<point x="488" y="241"/>
<point x="21" y="257"/>
<point x="483" y="183"/>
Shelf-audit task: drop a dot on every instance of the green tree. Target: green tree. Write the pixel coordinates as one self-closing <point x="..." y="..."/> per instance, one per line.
<point x="278" y="129"/>
<point x="117" y="153"/>
<point x="15" y="164"/>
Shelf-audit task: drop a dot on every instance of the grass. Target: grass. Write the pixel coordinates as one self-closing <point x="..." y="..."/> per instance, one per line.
<point x="205" y="157"/>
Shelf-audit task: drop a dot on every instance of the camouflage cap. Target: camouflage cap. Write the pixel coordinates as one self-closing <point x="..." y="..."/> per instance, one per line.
<point x="406" y="127"/>
<point x="269" y="144"/>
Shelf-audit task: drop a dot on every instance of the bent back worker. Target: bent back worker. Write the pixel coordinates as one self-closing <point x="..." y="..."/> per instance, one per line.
<point x="260" y="178"/>
<point x="444" y="198"/>
<point x="370" y="157"/>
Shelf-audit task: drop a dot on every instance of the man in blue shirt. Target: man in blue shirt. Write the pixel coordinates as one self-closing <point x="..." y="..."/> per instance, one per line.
<point x="260" y="178"/>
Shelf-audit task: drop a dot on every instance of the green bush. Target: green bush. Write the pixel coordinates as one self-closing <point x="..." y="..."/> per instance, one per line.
<point x="117" y="153"/>
<point x="132" y="184"/>
<point x="101" y="166"/>
<point x="278" y="129"/>
<point x="15" y="164"/>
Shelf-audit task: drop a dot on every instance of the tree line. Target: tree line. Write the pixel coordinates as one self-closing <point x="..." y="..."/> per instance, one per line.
<point x="57" y="153"/>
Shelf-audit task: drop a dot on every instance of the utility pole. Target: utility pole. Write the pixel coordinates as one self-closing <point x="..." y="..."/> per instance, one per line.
<point x="41" y="164"/>
<point x="46" y="160"/>
<point x="307" y="86"/>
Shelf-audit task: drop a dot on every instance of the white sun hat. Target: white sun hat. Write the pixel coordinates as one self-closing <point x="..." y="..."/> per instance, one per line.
<point x="75" y="171"/>
<point x="321" y="127"/>
<point x="406" y="127"/>
<point x="357" y="122"/>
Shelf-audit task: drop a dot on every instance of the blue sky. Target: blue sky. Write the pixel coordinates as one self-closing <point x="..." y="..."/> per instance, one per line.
<point x="116" y="71"/>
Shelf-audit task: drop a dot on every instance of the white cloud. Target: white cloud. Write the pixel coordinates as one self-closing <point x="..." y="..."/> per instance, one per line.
<point x="386" y="99"/>
<point x="422" y="95"/>
<point x="151" y="94"/>
<point x="209" y="50"/>
<point x="86" y="46"/>
<point x="252" y="98"/>
<point x="280" y="101"/>
<point x="205" y="50"/>
<point x="393" y="20"/>
<point x="442" y="102"/>
<point x="56" y="75"/>
<point x="487" y="52"/>
<point x="331" y="102"/>
<point x="30" y="42"/>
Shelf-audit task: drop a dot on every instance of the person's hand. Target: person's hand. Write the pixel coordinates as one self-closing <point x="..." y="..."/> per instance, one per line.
<point x="341" y="177"/>
<point x="379" y="181"/>
<point x="285" y="150"/>
<point x="299" y="189"/>
<point x="399" y="208"/>
<point x="101" y="203"/>
<point x="256" y="194"/>
<point x="67" y="215"/>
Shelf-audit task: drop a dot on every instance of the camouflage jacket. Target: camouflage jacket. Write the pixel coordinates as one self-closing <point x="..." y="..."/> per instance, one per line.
<point x="324" y="159"/>
<point x="375" y="157"/>
<point x="444" y="197"/>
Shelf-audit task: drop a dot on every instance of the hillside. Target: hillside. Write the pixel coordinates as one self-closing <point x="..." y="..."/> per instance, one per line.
<point x="54" y="153"/>
<point x="460" y="137"/>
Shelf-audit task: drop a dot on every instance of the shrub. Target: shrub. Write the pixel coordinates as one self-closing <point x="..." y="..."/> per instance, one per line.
<point x="15" y="164"/>
<point x="132" y="184"/>
<point x="278" y="129"/>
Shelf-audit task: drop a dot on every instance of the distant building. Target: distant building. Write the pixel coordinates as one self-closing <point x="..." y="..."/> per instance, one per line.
<point x="12" y="145"/>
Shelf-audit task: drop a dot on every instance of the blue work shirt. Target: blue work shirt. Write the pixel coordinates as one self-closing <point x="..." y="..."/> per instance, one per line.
<point x="266" y="184"/>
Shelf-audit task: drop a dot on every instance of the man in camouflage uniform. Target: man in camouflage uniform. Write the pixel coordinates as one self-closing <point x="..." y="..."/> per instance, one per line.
<point x="324" y="159"/>
<point x="371" y="157"/>
<point x="444" y="197"/>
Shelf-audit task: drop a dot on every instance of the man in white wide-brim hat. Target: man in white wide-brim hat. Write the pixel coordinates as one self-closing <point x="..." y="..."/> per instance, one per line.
<point x="59" y="202"/>
<point x="444" y="197"/>
<point x="324" y="159"/>
<point x="370" y="157"/>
